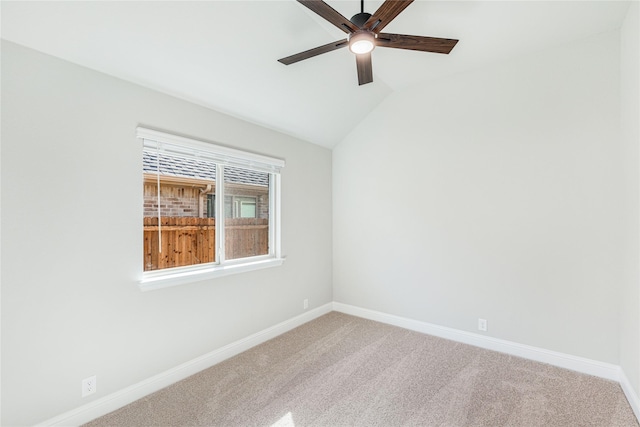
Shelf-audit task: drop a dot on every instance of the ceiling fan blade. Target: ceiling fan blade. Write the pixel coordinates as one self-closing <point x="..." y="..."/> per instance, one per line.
<point x="365" y="70"/>
<point x="385" y="14"/>
<point x="330" y="14"/>
<point x="313" y="52"/>
<point x="424" y="44"/>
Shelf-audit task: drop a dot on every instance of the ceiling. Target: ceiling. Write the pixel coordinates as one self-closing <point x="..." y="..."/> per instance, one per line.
<point x="222" y="54"/>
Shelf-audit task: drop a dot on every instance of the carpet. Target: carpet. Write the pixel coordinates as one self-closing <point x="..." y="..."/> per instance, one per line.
<point x="340" y="370"/>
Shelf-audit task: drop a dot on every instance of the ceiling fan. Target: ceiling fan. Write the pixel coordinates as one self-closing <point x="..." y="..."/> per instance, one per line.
<point x="363" y="35"/>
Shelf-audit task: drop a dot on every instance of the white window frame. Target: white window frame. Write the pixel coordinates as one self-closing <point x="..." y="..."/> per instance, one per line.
<point x="223" y="156"/>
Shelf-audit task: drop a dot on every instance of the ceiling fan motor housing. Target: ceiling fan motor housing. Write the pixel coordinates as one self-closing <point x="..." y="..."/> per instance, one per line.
<point x="359" y="19"/>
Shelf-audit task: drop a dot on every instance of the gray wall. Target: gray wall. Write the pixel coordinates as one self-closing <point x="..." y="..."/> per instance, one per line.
<point x="493" y="194"/>
<point x="72" y="238"/>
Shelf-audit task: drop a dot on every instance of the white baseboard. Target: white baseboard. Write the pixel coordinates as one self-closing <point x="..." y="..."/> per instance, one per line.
<point x="567" y="361"/>
<point x="632" y="396"/>
<point x="104" y="405"/>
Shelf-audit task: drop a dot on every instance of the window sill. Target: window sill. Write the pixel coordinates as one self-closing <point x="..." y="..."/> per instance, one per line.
<point x="161" y="279"/>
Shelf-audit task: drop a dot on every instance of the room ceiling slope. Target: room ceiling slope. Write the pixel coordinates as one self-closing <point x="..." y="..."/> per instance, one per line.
<point x="223" y="54"/>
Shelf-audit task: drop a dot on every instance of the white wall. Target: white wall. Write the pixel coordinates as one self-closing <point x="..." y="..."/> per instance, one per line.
<point x="496" y="194"/>
<point x="72" y="238"/>
<point x="630" y="114"/>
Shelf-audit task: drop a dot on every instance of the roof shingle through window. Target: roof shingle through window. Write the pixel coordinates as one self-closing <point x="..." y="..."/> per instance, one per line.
<point x="199" y="169"/>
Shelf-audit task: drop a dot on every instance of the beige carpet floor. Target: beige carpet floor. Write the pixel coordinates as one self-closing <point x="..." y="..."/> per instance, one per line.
<point x="340" y="370"/>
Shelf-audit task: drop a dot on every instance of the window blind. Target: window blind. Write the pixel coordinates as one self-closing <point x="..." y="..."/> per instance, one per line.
<point x="163" y="143"/>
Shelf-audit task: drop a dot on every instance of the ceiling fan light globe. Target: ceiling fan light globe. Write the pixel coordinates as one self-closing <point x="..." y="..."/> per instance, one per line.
<point x="361" y="46"/>
<point x="362" y="42"/>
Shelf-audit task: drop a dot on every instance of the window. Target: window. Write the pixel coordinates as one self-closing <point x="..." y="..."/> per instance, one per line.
<point x="240" y="207"/>
<point x="211" y="200"/>
<point x="208" y="210"/>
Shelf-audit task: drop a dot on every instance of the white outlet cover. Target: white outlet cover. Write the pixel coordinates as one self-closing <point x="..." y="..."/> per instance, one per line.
<point x="89" y="386"/>
<point x="482" y="324"/>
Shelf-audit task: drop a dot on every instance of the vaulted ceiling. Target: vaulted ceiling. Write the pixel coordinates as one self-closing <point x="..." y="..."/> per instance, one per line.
<point x="223" y="54"/>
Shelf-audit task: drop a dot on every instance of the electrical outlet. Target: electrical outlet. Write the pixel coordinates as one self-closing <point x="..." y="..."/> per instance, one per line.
<point x="482" y="325"/>
<point x="305" y="304"/>
<point x="88" y="386"/>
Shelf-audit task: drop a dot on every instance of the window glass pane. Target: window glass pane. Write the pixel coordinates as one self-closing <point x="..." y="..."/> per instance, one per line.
<point x="246" y="212"/>
<point x="179" y="228"/>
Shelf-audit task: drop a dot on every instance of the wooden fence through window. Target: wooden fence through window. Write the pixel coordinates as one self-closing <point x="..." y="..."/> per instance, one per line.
<point x="191" y="241"/>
